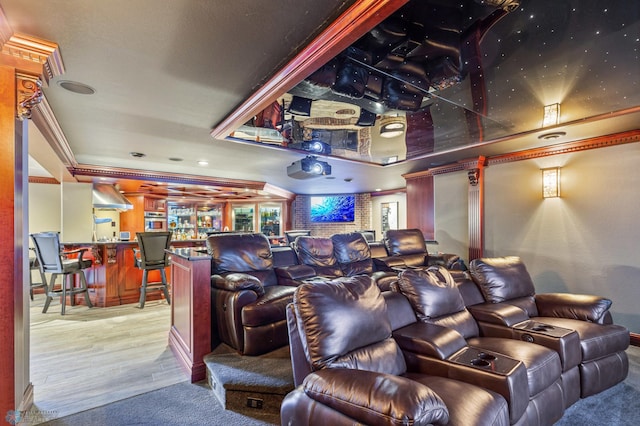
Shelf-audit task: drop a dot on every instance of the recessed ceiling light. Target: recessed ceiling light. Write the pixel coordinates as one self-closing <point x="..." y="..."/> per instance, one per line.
<point x="137" y="154"/>
<point x="552" y="135"/>
<point x="348" y="179"/>
<point x="203" y="163"/>
<point x="175" y="159"/>
<point x="75" y="87"/>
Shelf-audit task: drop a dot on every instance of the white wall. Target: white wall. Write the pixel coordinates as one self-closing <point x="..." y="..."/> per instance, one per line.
<point x="376" y="211"/>
<point x="44" y="208"/>
<point x="77" y="212"/>
<point x="587" y="241"/>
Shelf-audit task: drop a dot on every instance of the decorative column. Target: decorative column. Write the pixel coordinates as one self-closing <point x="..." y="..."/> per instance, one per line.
<point x="26" y="63"/>
<point x="476" y="209"/>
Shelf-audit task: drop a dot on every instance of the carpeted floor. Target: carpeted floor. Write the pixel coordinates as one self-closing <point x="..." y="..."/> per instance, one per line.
<point x="195" y="404"/>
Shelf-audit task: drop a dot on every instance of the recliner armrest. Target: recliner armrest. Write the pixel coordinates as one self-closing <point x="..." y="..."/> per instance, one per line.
<point x="388" y="263"/>
<point x="292" y="275"/>
<point x="573" y="306"/>
<point x="498" y="313"/>
<point x="236" y="282"/>
<point x="448" y="260"/>
<point x="376" y="398"/>
<point x="429" y="339"/>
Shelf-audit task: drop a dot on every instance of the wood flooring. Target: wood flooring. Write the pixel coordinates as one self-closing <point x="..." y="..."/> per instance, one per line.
<point x="91" y="357"/>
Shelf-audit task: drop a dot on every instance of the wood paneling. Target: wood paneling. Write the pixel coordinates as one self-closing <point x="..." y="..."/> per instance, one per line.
<point x="420" y="205"/>
<point x="10" y="255"/>
<point x="190" y="336"/>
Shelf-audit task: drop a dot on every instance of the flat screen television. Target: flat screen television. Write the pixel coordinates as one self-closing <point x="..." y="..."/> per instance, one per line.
<point x="333" y="208"/>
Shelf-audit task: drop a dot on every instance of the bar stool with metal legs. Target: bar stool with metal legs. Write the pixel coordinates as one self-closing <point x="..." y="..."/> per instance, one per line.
<point x="151" y="255"/>
<point x="53" y="260"/>
<point x="35" y="265"/>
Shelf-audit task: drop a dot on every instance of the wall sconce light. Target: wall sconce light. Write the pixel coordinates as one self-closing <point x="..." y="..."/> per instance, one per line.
<point x="551" y="115"/>
<point x="551" y="182"/>
<point x="390" y="127"/>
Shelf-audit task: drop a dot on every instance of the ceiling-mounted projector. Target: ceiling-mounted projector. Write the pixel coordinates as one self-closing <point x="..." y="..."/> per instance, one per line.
<point x="308" y="167"/>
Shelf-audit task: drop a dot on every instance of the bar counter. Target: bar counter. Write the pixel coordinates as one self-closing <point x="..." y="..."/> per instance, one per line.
<point x="113" y="278"/>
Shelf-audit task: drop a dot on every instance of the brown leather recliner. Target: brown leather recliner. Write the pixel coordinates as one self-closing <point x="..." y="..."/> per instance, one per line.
<point x="446" y="332"/>
<point x="248" y="304"/>
<point x="406" y="248"/>
<point x="513" y="309"/>
<point x="349" y="370"/>
<point x="341" y="255"/>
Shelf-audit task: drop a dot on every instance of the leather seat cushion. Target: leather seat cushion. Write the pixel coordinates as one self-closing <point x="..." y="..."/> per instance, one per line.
<point x="467" y="404"/>
<point x="269" y="308"/>
<point x="596" y="340"/>
<point x="543" y="364"/>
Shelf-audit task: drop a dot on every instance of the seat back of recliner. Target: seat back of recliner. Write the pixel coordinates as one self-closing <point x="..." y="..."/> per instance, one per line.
<point x="407" y="244"/>
<point x="246" y="253"/>
<point x="436" y="299"/>
<point x="343" y="323"/>
<point x="503" y="279"/>
<point x="353" y="254"/>
<point x="317" y="252"/>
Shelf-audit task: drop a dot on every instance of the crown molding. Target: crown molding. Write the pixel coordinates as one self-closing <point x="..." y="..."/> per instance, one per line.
<point x="123" y="173"/>
<point x="614" y="139"/>
<point x="43" y="117"/>
<point x="43" y="180"/>
<point x="30" y="55"/>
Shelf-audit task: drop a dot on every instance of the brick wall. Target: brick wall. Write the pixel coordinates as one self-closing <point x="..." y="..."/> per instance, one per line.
<point x="301" y="217"/>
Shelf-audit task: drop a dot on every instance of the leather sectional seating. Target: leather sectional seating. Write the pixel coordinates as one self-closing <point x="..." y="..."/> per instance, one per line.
<point x="443" y="338"/>
<point x="248" y="302"/>
<point x="348" y="368"/>
<point x="578" y="327"/>
<point x="406" y="248"/>
<point x="341" y="255"/>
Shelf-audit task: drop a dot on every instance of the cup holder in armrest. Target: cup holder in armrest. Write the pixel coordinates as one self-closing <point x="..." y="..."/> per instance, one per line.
<point x="486" y="357"/>
<point x="539" y="328"/>
<point x="478" y="362"/>
<point x="478" y="358"/>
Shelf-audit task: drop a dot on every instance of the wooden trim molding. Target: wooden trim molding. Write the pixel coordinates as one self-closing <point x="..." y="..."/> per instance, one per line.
<point x="43" y="180"/>
<point x="122" y="173"/>
<point x="34" y="56"/>
<point x="614" y="139"/>
<point x="350" y="26"/>
<point x="47" y="123"/>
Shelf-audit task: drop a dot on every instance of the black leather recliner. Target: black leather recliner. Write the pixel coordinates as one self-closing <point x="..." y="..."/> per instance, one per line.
<point x="247" y="301"/>
<point x="446" y="341"/>
<point x="513" y="309"/>
<point x="341" y="255"/>
<point x="406" y="248"/>
<point x="349" y="370"/>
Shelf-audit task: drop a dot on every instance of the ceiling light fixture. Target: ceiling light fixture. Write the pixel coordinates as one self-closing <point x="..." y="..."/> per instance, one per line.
<point x="551" y="115"/>
<point x="137" y="154"/>
<point x="552" y="135"/>
<point x="175" y="159"/>
<point x="390" y="127"/>
<point x="75" y="87"/>
<point x="203" y="163"/>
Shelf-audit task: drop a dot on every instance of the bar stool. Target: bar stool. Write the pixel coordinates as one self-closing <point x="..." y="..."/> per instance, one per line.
<point x="151" y="255"/>
<point x="53" y="260"/>
<point x="35" y="265"/>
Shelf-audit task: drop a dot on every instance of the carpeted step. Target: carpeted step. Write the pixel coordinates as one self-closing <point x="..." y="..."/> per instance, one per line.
<point x="250" y="384"/>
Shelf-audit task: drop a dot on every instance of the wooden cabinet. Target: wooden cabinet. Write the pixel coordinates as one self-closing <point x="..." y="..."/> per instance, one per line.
<point x="133" y="220"/>
<point x="190" y="337"/>
<point x="154" y="204"/>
